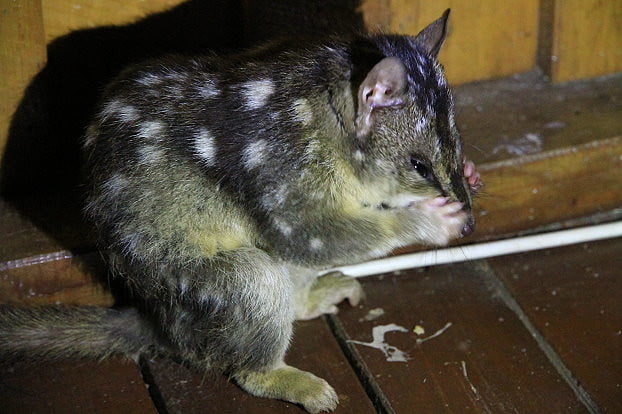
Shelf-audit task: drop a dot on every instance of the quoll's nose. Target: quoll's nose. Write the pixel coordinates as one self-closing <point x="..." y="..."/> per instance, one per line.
<point x="469" y="226"/>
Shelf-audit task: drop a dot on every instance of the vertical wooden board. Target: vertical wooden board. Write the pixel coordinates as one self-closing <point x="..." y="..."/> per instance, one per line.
<point x="63" y="16"/>
<point x="587" y="39"/>
<point x="73" y="386"/>
<point x="313" y="349"/>
<point x="572" y="296"/>
<point x="22" y="55"/>
<point x="475" y="355"/>
<point x="486" y="39"/>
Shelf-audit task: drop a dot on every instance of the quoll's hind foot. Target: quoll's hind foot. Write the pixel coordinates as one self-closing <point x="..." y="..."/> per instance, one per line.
<point x="290" y="384"/>
<point x="472" y="176"/>
<point x="326" y="292"/>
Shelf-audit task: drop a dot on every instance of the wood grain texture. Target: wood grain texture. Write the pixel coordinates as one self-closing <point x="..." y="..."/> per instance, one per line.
<point x="485" y="40"/>
<point x="475" y="355"/>
<point x="550" y="187"/>
<point x="524" y="114"/>
<point x="571" y="294"/>
<point x="22" y="55"/>
<point x="74" y="386"/>
<point x="63" y="16"/>
<point x="586" y="39"/>
<point x="313" y="349"/>
<point x="58" y="278"/>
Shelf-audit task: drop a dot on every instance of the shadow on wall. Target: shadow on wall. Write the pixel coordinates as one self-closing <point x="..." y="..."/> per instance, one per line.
<point x="42" y="156"/>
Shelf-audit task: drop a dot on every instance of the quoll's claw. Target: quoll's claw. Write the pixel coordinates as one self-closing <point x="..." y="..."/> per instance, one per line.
<point x="448" y="217"/>
<point x="469" y="227"/>
<point x="472" y="176"/>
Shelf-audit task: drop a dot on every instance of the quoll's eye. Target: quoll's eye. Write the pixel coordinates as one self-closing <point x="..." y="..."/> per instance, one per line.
<point x="420" y="167"/>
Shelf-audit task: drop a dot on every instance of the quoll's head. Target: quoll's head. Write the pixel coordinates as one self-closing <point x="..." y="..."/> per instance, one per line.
<point x="405" y="118"/>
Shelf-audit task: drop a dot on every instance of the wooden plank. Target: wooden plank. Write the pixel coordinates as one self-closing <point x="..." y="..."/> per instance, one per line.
<point x="55" y="278"/>
<point x="39" y="224"/>
<point x="63" y="16"/>
<point x="475" y="355"/>
<point x="314" y="349"/>
<point x="22" y="55"/>
<point x="523" y="115"/>
<point x="110" y="387"/>
<point x="571" y="294"/>
<point x="586" y="39"/>
<point x="549" y="187"/>
<point x="486" y="39"/>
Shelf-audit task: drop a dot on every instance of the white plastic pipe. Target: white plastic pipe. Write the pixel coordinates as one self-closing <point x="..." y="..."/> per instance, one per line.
<point x="484" y="250"/>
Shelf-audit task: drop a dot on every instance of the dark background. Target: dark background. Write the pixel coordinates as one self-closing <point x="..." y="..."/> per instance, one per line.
<point x="41" y="171"/>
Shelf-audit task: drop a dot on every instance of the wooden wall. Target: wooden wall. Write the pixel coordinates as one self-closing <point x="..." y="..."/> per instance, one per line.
<point x="486" y="38"/>
<point x="569" y="39"/>
<point x="584" y="38"/>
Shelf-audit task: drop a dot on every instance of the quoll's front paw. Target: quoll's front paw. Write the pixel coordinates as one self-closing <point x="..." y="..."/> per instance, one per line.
<point x="447" y="219"/>
<point x="327" y="292"/>
<point x="472" y="176"/>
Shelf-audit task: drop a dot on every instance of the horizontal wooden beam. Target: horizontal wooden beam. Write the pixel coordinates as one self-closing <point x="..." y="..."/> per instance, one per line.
<point x="549" y="187"/>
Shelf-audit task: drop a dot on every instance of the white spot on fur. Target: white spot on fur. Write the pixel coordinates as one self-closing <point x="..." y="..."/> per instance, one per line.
<point x="316" y="244"/>
<point x="302" y="111"/>
<point x="254" y="154"/>
<point x="257" y="92"/>
<point x="115" y="185"/>
<point x="208" y="89"/>
<point x="275" y="198"/>
<point x="150" y="154"/>
<point x="422" y="123"/>
<point x="183" y="285"/>
<point x="282" y="226"/>
<point x="172" y="75"/>
<point x="204" y="146"/>
<point x="359" y="155"/>
<point x="281" y="194"/>
<point x="149" y="79"/>
<point x="150" y="129"/>
<point x="125" y="113"/>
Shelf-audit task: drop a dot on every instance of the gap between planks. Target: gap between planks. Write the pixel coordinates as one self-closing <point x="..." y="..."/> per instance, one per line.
<point x="508" y="299"/>
<point x="370" y="385"/>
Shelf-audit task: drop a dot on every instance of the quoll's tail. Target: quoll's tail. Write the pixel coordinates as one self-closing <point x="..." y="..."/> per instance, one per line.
<point x="56" y="332"/>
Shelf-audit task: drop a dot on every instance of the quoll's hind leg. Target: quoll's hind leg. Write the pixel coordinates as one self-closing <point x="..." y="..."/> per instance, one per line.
<point x="325" y="293"/>
<point x="236" y="312"/>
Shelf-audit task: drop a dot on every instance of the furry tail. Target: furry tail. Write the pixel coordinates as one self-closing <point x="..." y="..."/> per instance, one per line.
<point x="57" y="332"/>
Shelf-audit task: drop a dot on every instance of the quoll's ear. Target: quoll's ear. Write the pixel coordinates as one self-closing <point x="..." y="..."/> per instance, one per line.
<point x="384" y="86"/>
<point x="433" y="36"/>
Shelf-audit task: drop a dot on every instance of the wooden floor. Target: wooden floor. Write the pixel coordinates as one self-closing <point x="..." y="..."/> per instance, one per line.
<point x="538" y="332"/>
<point x="530" y="333"/>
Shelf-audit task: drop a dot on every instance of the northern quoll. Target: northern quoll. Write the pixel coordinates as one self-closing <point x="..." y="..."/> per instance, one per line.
<point x="221" y="187"/>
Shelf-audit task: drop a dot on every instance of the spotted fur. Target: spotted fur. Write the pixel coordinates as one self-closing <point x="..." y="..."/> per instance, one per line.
<point x="219" y="187"/>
